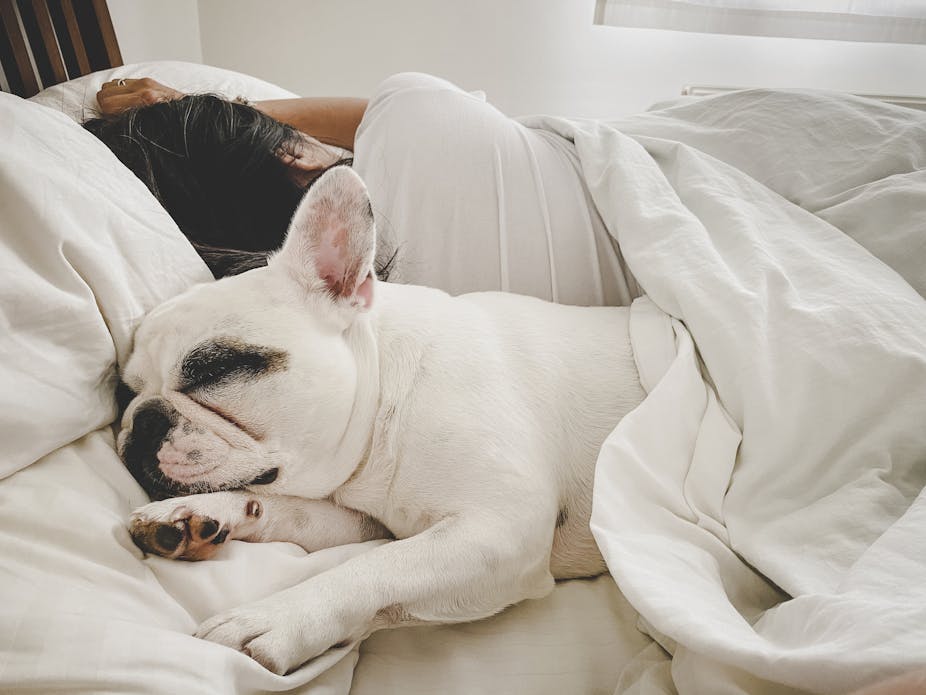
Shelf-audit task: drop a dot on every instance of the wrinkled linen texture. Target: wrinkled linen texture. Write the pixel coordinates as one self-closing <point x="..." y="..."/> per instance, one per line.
<point x="86" y="251"/>
<point x="783" y="235"/>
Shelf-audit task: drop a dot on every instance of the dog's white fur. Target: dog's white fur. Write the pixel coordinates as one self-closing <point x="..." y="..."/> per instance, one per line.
<point x="468" y="426"/>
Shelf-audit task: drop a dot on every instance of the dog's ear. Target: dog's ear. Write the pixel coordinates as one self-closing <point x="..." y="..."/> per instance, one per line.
<point x="331" y="240"/>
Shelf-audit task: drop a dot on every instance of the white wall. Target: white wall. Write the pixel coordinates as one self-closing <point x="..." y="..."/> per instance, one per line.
<point x="529" y="55"/>
<point x="162" y="30"/>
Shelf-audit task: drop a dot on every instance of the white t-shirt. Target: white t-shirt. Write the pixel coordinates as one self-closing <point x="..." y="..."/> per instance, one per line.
<point x="473" y="200"/>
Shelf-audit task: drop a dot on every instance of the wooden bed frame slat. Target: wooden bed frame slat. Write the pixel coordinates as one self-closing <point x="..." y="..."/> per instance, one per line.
<point x="19" y="71"/>
<point x="108" y="34"/>
<point x="44" y="42"/>
<point x="37" y="22"/>
<point x="72" y="40"/>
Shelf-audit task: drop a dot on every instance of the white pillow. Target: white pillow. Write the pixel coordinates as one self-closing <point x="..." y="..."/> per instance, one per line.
<point x="77" y="98"/>
<point x="85" y="252"/>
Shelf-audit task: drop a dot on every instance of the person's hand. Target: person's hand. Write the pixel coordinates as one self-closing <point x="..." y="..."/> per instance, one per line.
<point x="308" y="158"/>
<point x="120" y="95"/>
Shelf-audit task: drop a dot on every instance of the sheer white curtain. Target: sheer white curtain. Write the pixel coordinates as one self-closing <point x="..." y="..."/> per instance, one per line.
<point x="891" y="21"/>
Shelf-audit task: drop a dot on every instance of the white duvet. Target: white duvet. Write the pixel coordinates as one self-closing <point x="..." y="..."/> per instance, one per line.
<point x="766" y="519"/>
<point x="790" y="472"/>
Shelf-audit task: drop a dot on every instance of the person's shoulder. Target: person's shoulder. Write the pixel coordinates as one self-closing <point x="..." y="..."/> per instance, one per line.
<point x="415" y="84"/>
<point x="414" y="80"/>
<point x="413" y="107"/>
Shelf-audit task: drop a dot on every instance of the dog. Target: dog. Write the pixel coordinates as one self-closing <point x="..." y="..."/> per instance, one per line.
<point x="306" y="402"/>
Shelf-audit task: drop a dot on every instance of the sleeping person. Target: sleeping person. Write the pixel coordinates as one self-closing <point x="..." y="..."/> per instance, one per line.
<point x="466" y="199"/>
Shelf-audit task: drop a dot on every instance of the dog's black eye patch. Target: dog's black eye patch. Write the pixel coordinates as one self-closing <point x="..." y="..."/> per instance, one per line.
<point x="226" y="359"/>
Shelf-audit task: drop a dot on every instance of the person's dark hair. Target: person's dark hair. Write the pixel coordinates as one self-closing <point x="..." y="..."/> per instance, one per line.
<point x="215" y="166"/>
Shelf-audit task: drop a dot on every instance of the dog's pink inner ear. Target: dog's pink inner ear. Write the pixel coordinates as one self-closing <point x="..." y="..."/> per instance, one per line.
<point x="331" y="240"/>
<point x="331" y="256"/>
<point x="343" y="274"/>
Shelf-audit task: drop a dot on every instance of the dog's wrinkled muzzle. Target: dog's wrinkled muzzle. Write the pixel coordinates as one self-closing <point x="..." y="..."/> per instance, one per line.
<point x="148" y="451"/>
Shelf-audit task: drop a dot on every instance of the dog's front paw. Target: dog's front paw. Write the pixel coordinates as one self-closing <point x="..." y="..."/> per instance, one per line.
<point x="194" y="527"/>
<point x="281" y="632"/>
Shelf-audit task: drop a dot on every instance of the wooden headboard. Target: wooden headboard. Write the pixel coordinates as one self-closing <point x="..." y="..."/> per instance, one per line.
<point x="44" y="42"/>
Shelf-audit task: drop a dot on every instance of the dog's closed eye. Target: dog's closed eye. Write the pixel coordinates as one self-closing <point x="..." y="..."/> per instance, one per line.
<point x="225" y="416"/>
<point x="222" y="360"/>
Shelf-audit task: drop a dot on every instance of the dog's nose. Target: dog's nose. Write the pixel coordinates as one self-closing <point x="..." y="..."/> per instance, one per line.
<point x="151" y="422"/>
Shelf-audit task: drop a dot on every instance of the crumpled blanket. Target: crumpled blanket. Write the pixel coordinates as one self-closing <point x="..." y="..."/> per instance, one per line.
<point x="762" y="508"/>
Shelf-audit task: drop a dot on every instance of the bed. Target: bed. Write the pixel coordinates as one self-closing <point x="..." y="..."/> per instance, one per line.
<point x="778" y="546"/>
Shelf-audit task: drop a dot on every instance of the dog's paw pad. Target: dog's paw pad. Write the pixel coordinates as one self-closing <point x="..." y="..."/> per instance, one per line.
<point x="194" y="537"/>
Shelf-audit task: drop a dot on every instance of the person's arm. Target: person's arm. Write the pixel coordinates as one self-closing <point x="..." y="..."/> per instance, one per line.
<point x="332" y="120"/>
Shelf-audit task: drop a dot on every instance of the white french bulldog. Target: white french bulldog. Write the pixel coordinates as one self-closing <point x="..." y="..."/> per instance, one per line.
<point x="286" y="404"/>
